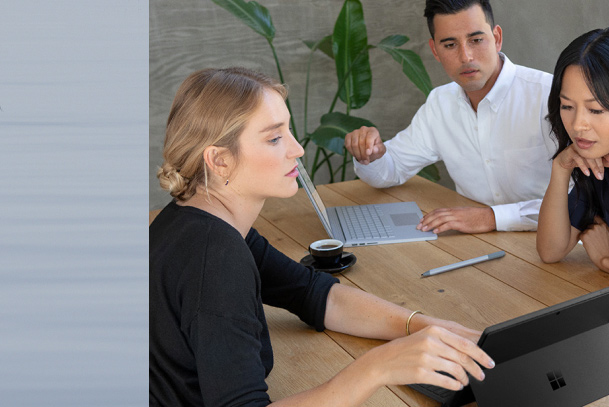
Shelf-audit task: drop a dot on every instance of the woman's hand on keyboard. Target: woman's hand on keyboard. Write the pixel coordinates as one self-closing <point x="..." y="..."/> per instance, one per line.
<point x="419" y="357"/>
<point x="421" y="321"/>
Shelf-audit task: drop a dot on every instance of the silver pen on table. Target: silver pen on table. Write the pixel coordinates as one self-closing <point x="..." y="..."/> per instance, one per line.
<point x="463" y="263"/>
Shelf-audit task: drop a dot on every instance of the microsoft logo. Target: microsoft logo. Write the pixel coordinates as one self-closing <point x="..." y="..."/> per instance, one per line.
<point x="556" y="380"/>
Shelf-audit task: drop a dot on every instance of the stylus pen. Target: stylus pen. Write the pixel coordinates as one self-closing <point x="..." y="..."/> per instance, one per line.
<point x="463" y="263"/>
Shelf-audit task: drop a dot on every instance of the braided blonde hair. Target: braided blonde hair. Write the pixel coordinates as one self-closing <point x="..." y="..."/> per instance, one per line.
<point x="211" y="107"/>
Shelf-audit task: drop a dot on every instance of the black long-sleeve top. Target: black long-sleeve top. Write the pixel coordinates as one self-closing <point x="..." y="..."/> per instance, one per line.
<point x="209" y="341"/>
<point x="578" y="203"/>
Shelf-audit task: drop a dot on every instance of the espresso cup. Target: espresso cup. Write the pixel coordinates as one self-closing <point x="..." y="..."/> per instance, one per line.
<point x="326" y="253"/>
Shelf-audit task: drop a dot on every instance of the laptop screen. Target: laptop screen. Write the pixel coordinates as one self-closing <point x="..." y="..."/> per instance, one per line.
<point x="309" y="187"/>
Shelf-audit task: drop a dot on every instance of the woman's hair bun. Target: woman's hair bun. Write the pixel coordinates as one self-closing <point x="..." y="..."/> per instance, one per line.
<point x="171" y="180"/>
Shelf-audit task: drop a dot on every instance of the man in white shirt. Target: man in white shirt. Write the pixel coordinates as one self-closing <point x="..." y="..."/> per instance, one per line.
<point x="488" y="126"/>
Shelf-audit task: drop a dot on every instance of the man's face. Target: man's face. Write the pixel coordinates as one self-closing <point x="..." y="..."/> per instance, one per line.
<point x="467" y="47"/>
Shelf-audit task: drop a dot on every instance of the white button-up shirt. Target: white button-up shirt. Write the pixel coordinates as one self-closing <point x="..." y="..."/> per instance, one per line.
<point x="499" y="155"/>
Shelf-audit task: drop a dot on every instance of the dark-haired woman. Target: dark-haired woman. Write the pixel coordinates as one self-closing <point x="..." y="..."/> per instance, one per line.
<point x="578" y="108"/>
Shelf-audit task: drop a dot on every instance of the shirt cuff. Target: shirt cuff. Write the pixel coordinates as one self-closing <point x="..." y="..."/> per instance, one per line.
<point x="378" y="173"/>
<point x="508" y="219"/>
<point x="376" y="164"/>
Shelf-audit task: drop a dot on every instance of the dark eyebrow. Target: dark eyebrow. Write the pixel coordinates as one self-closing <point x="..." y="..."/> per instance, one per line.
<point x="447" y="39"/>
<point x="468" y="36"/>
<point x="566" y="98"/>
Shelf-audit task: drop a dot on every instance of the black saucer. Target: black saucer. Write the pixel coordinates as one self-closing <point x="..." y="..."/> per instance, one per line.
<point x="346" y="261"/>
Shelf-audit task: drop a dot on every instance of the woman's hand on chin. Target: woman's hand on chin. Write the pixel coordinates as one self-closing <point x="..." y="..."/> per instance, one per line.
<point x="569" y="159"/>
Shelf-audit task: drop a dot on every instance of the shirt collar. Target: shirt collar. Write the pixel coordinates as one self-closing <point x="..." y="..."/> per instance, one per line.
<point x="500" y="88"/>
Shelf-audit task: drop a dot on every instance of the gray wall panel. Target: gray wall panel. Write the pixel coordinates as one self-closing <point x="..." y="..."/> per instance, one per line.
<point x="186" y="35"/>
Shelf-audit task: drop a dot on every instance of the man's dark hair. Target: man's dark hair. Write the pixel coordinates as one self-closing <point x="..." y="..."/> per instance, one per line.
<point x="433" y="7"/>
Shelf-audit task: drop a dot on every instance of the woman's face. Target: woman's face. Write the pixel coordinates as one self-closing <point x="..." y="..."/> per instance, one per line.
<point x="267" y="159"/>
<point x="586" y="120"/>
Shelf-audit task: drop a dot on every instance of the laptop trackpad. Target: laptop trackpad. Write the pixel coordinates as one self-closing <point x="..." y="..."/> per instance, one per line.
<point x="404" y="219"/>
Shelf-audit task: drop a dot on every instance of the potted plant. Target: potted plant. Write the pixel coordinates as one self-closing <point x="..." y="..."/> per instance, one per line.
<point x="348" y="46"/>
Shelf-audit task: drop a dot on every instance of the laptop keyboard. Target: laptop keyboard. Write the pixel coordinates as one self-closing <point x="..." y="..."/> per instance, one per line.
<point x="440" y="392"/>
<point x="445" y="396"/>
<point x="363" y="222"/>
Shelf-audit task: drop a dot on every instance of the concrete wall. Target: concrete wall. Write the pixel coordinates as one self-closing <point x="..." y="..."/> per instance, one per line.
<point x="187" y="35"/>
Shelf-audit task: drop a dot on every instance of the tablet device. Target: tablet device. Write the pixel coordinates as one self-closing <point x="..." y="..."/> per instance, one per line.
<point x="554" y="357"/>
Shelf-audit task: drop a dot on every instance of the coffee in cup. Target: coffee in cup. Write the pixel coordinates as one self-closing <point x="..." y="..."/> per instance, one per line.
<point x="327" y="252"/>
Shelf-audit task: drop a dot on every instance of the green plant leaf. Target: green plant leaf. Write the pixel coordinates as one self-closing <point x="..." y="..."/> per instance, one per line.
<point x="431" y="173"/>
<point x="324" y="45"/>
<point x="350" y="49"/>
<point x="252" y="14"/>
<point x="412" y="66"/>
<point x="334" y="126"/>
<point x="394" y="41"/>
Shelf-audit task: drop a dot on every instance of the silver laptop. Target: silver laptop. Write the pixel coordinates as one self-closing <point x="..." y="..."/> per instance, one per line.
<point x="363" y="225"/>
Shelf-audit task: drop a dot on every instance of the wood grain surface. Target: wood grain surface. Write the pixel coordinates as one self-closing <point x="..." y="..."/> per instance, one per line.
<point x="476" y="296"/>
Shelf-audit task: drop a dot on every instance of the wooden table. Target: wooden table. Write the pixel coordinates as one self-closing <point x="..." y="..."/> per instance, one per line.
<point x="475" y="296"/>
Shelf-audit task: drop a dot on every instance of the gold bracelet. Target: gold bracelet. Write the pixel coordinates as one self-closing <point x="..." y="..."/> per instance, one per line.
<point x="408" y="322"/>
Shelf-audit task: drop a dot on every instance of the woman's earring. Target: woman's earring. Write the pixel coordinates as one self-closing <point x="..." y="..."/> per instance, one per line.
<point x="226" y="183"/>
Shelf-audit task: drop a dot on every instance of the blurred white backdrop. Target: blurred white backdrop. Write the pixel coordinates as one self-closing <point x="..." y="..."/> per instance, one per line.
<point x="73" y="203"/>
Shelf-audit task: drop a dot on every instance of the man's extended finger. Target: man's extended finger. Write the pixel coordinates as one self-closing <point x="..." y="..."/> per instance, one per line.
<point x="432" y="216"/>
<point x="362" y="143"/>
<point x="370" y="142"/>
<point x="358" y="148"/>
<point x="354" y="144"/>
<point x="440" y="225"/>
<point x="429" y="218"/>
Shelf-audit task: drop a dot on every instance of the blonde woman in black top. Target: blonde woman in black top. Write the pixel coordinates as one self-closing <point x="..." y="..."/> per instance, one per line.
<point x="228" y="147"/>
